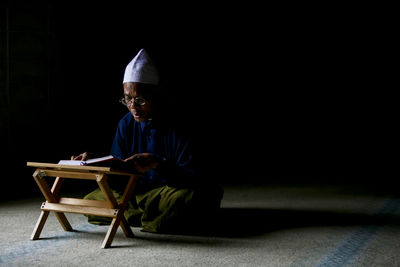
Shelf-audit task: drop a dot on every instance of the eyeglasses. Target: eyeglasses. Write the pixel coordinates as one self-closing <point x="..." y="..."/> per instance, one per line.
<point x="140" y="101"/>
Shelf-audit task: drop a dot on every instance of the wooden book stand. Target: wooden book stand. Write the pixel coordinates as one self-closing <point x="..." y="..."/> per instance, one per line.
<point x="59" y="205"/>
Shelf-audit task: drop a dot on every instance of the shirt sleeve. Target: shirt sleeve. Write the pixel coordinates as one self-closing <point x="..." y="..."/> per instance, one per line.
<point x="119" y="145"/>
<point x="177" y="167"/>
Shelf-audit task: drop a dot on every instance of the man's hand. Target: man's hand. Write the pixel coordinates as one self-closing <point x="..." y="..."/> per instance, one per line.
<point x="143" y="162"/>
<point x="83" y="156"/>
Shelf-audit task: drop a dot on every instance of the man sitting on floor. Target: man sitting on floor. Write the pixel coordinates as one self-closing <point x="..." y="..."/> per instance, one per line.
<point x="170" y="196"/>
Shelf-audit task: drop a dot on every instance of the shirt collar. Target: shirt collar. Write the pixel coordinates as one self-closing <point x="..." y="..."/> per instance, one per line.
<point x="146" y="124"/>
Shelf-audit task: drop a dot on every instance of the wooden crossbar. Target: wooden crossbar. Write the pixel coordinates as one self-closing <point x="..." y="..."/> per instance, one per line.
<point x="105" y="212"/>
<point x="83" y="202"/>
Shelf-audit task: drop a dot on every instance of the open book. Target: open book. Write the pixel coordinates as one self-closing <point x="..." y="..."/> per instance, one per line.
<point x="105" y="161"/>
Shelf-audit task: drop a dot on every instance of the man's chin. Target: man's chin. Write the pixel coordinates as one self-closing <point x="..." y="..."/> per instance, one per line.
<point x="140" y="118"/>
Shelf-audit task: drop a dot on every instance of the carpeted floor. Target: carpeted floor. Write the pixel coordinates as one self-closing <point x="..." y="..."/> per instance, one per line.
<point x="259" y="225"/>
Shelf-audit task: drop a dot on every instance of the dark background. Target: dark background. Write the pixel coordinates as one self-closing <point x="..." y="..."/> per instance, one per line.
<point x="268" y="93"/>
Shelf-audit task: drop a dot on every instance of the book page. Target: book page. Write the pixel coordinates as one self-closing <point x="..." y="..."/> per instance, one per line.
<point x="71" y="162"/>
<point x="101" y="159"/>
<point x="89" y="161"/>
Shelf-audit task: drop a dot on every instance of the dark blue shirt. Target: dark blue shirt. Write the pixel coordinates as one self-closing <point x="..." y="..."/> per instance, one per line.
<point x="134" y="137"/>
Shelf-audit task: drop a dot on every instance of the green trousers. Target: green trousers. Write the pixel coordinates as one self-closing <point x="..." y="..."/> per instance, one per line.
<point x="164" y="209"/>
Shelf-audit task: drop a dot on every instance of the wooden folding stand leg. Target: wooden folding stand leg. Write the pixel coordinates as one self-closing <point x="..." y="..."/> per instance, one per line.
<point x="59" y="205"/>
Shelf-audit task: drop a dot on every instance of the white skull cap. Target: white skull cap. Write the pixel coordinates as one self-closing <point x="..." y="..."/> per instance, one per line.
<point x="141" y="69"/>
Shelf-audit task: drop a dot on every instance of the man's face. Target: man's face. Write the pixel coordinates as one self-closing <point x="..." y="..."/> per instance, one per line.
<point x="138" y="102"/>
